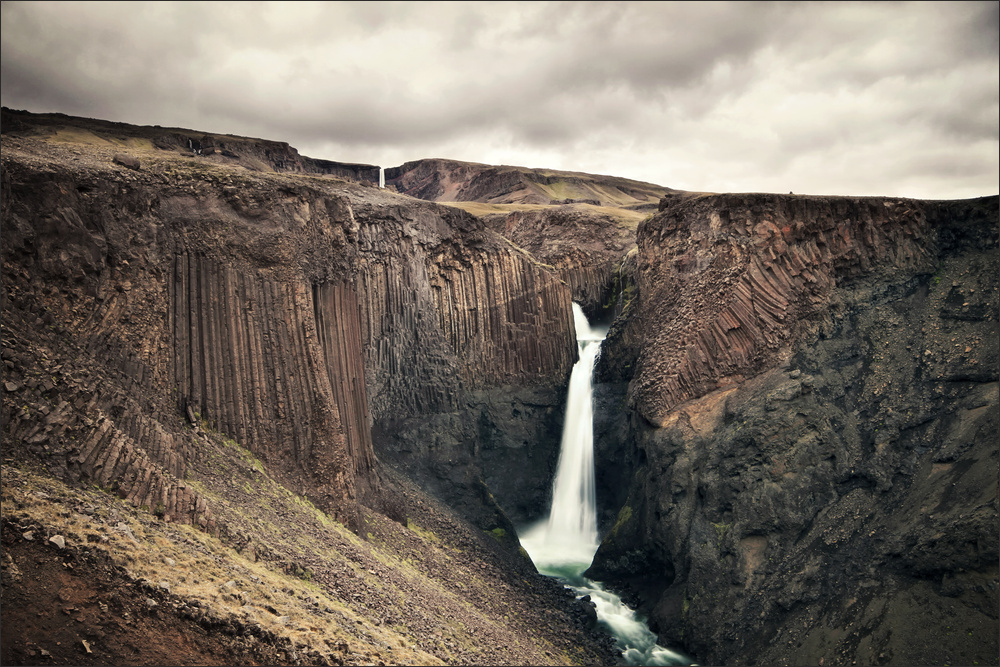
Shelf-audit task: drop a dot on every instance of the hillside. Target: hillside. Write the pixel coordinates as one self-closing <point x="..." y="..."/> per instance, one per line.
<point x="221" y="149"/>
<point x="453" y="181"/>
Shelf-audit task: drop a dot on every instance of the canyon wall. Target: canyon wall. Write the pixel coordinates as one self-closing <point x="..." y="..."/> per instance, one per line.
<point x="809" y="441"/>
<point x="585" y="244"/>
<point x="196" y="301"/>
<point x="468" y="346"/>
<point x="296" y="315"/>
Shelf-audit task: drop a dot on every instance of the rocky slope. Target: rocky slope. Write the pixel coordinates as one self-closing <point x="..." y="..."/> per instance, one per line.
<point x="809" y="442"/>
<point x="163" y="309"/>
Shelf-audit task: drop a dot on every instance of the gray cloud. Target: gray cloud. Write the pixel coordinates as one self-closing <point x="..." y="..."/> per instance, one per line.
<point x="843" y="98"/>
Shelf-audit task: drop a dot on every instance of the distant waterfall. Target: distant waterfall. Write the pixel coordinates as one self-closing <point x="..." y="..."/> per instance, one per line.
<point x="381" y="177"/>
<point x="563" y="546"/>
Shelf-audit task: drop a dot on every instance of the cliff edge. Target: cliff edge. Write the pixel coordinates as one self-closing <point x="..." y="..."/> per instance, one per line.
<point x="813" y="402"/>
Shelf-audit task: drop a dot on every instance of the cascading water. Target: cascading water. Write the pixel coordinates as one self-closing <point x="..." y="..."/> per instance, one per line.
<point x="563" y="546"/>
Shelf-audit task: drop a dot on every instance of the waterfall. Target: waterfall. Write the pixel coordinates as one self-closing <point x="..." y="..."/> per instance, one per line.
<point x="563" y="545"/>
<point x="573" y="517"/>
<point x="381" y="177"/>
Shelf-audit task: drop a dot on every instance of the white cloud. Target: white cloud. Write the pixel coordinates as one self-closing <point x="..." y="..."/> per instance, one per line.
<point x="844" y="98"/>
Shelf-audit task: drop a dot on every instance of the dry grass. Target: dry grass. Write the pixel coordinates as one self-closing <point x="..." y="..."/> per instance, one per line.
<point x="69" y="135"/>
<point x="195" y="566"/>
<point x="482" y="208"/>
<point x="623" y="217"/>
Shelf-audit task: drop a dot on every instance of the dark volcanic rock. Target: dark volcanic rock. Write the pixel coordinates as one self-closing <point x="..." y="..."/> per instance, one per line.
<point x="814" y="407"/>
<point x="126" y="161"/>
<point x="585" y="244"/>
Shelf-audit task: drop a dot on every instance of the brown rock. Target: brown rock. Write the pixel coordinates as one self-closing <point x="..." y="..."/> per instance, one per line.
<point x="127" y="161"/>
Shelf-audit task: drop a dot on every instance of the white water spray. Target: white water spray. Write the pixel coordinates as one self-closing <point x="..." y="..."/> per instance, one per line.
<point x="563" y="546"/>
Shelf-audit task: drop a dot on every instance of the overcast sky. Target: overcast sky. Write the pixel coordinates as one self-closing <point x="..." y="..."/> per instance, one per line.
<point x="816" y="98"/>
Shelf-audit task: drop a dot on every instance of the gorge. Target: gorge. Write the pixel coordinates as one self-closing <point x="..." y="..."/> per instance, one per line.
<point x="262" y="401"/>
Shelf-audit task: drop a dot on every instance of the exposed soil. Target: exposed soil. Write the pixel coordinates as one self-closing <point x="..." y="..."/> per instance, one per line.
<point x="76" y="607"/>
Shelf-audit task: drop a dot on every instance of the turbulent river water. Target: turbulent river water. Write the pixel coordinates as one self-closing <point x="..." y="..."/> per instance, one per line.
<point x="563" y="545"/>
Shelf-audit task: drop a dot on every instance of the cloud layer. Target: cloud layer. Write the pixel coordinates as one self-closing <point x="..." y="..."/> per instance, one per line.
<point x="823" y="98"/>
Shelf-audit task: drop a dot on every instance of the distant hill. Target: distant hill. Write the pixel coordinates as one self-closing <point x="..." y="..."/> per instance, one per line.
<point x="442" y="180"/>
<point x="223" y="149"/>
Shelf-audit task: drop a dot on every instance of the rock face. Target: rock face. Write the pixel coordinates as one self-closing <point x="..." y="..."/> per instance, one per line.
<point x="468" y="346"/>
<point x="586" y="244"/>
<point x="156" y="304"/>
<point x="584" y="236"/>
<point x="297" y="315"/>
<point x="810" y="449"/>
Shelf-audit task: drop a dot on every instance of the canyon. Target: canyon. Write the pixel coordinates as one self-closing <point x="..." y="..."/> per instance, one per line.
<point x="308" y="415"/>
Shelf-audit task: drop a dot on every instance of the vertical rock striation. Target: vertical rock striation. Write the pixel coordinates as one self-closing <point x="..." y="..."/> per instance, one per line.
<point x="585" y="244"/>
<point x="727" y="283"/>
<point x="291" y="314"/>
<point x="271" y="365"/>
<point x="203" y="298"/>
<point x="459" y="330"/>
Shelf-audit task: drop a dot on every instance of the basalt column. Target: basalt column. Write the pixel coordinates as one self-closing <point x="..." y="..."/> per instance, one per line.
<point x="339" y="327"/>
<point x="271" y="365"/>
<point x="468" y="345"/>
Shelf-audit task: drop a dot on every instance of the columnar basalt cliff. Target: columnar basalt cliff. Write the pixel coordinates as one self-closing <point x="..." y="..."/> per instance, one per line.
<point x="468" y="346"/>
<point x="174" y="289"/>
<point x="813" y="397"/>
<point x="189" y="335"/>
<point x="733" y="286"/>
<point x="293" y="315"/>
<point x="275" y="365"/>
<point x="583" y="225"/>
